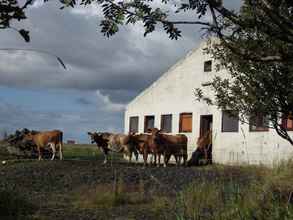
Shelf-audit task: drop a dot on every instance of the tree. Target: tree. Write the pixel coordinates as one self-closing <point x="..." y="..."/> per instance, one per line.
<point x="255" y="45"/>
<point x="256" y="48"/>
<point x="10" y="12"/>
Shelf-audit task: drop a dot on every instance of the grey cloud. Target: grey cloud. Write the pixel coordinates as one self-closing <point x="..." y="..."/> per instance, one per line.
<point x="94" y="61"/>
<point x="127" y="61"/>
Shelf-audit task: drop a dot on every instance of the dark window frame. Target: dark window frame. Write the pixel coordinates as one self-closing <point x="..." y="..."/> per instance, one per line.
<point x="223" y="130"/>
<point x="180" y="122"/>
<point x="259" y="128"/>
<point x="162" y="122"/>
<point x="130" y="129"/>
<point x="208" y="66"/>
<point x="145" y="122"/>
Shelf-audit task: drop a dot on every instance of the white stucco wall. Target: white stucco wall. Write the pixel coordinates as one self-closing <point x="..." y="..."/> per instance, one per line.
<point x="173" y="93"/>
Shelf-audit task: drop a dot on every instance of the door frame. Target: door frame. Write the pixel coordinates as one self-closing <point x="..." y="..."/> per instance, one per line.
<point x="201" y="125"/>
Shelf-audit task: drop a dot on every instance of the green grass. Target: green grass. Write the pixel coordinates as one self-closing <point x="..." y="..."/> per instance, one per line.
<point x="86" y="152"/>
<point x="267" y="196"/>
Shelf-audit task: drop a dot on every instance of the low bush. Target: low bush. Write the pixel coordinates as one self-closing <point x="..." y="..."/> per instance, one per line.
<point x="268" y="196"/>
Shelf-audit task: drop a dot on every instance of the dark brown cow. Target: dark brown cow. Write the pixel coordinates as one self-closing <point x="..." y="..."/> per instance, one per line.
<point x="119" y="143"/>
<point x="139" y="141"/>
<point x="101" y="139"/>
<point x="145" y="145"/>
<point x="45" y="138"/>
<point x="175" y="145"/>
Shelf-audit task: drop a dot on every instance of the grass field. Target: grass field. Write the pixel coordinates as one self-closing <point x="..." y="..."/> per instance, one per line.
<point x="83" y="152"/>
<point x="82" y="188"/>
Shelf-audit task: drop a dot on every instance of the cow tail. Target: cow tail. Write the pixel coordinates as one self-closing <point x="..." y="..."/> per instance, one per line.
<point x="61" y="137"/>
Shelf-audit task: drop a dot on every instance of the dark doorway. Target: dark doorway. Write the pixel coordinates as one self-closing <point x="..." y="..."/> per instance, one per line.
<point x="206" y="124"/>
<point x="203" y="152"/>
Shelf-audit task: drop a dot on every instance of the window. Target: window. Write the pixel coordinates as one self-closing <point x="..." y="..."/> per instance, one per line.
<point x="133" y="124"/>
<point x="166" y="123"/>
<point x="185" y="123"/>
<point x="230" y="121"/>
<point x="287" y="124"/>
<point x="258" y="123"/>
<point x="149" y="122"/>
<point x="208" y="66"/>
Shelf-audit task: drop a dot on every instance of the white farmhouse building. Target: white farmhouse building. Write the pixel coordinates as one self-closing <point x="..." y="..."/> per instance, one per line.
<point x="170" y="104"/>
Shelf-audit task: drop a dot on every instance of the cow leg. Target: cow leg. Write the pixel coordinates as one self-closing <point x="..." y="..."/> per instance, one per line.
<point x="60" y="151"/>
<point x="155" y="159"/>
<point x="136" y="154"/>
<point x="53" y="147"/>
<point x="39" y="153"/>
<point x="130" y="156"/>
<point x="184" y="159"/>
<point x="166" y="159"/>
<point x="176" y="159"/>
<point x="159" y="160"/>
<point x="145" y="157"/>
<point x="152" y="159"/>
<point x="105" y="156"/>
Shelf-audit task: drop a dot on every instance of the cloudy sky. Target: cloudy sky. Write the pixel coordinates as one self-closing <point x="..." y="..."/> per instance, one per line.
<point x="102" y="76"/>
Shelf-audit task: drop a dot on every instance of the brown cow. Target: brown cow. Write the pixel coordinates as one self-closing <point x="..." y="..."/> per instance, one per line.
<point x="119" y="143"/>
<point x="145" y="145"/>
<point x="175" y="145"/>
<point x="45" y="138"/>
<point x="139" y="141"/>
<point x="204" y="145"/>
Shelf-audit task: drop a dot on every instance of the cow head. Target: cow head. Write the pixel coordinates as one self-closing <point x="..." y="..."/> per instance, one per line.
<point x="99" y="137"/>
<point x="155" y="134"/>
<point x="94" y="136"/>
<point x="27" y="139"/>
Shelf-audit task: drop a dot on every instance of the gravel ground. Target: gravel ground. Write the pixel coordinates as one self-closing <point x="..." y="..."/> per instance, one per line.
<point x="51" y="184"/>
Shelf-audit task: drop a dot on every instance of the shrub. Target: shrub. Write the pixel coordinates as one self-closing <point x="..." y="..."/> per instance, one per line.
<point x="265" y="198"/>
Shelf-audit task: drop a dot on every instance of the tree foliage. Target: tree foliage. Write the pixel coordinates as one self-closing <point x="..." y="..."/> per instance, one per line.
<point x="257" y="49"/>
<point x="11" y="11"/>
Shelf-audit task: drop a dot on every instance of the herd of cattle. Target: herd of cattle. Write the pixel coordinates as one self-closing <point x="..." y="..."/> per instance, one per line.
<point x="154" y="143"/>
